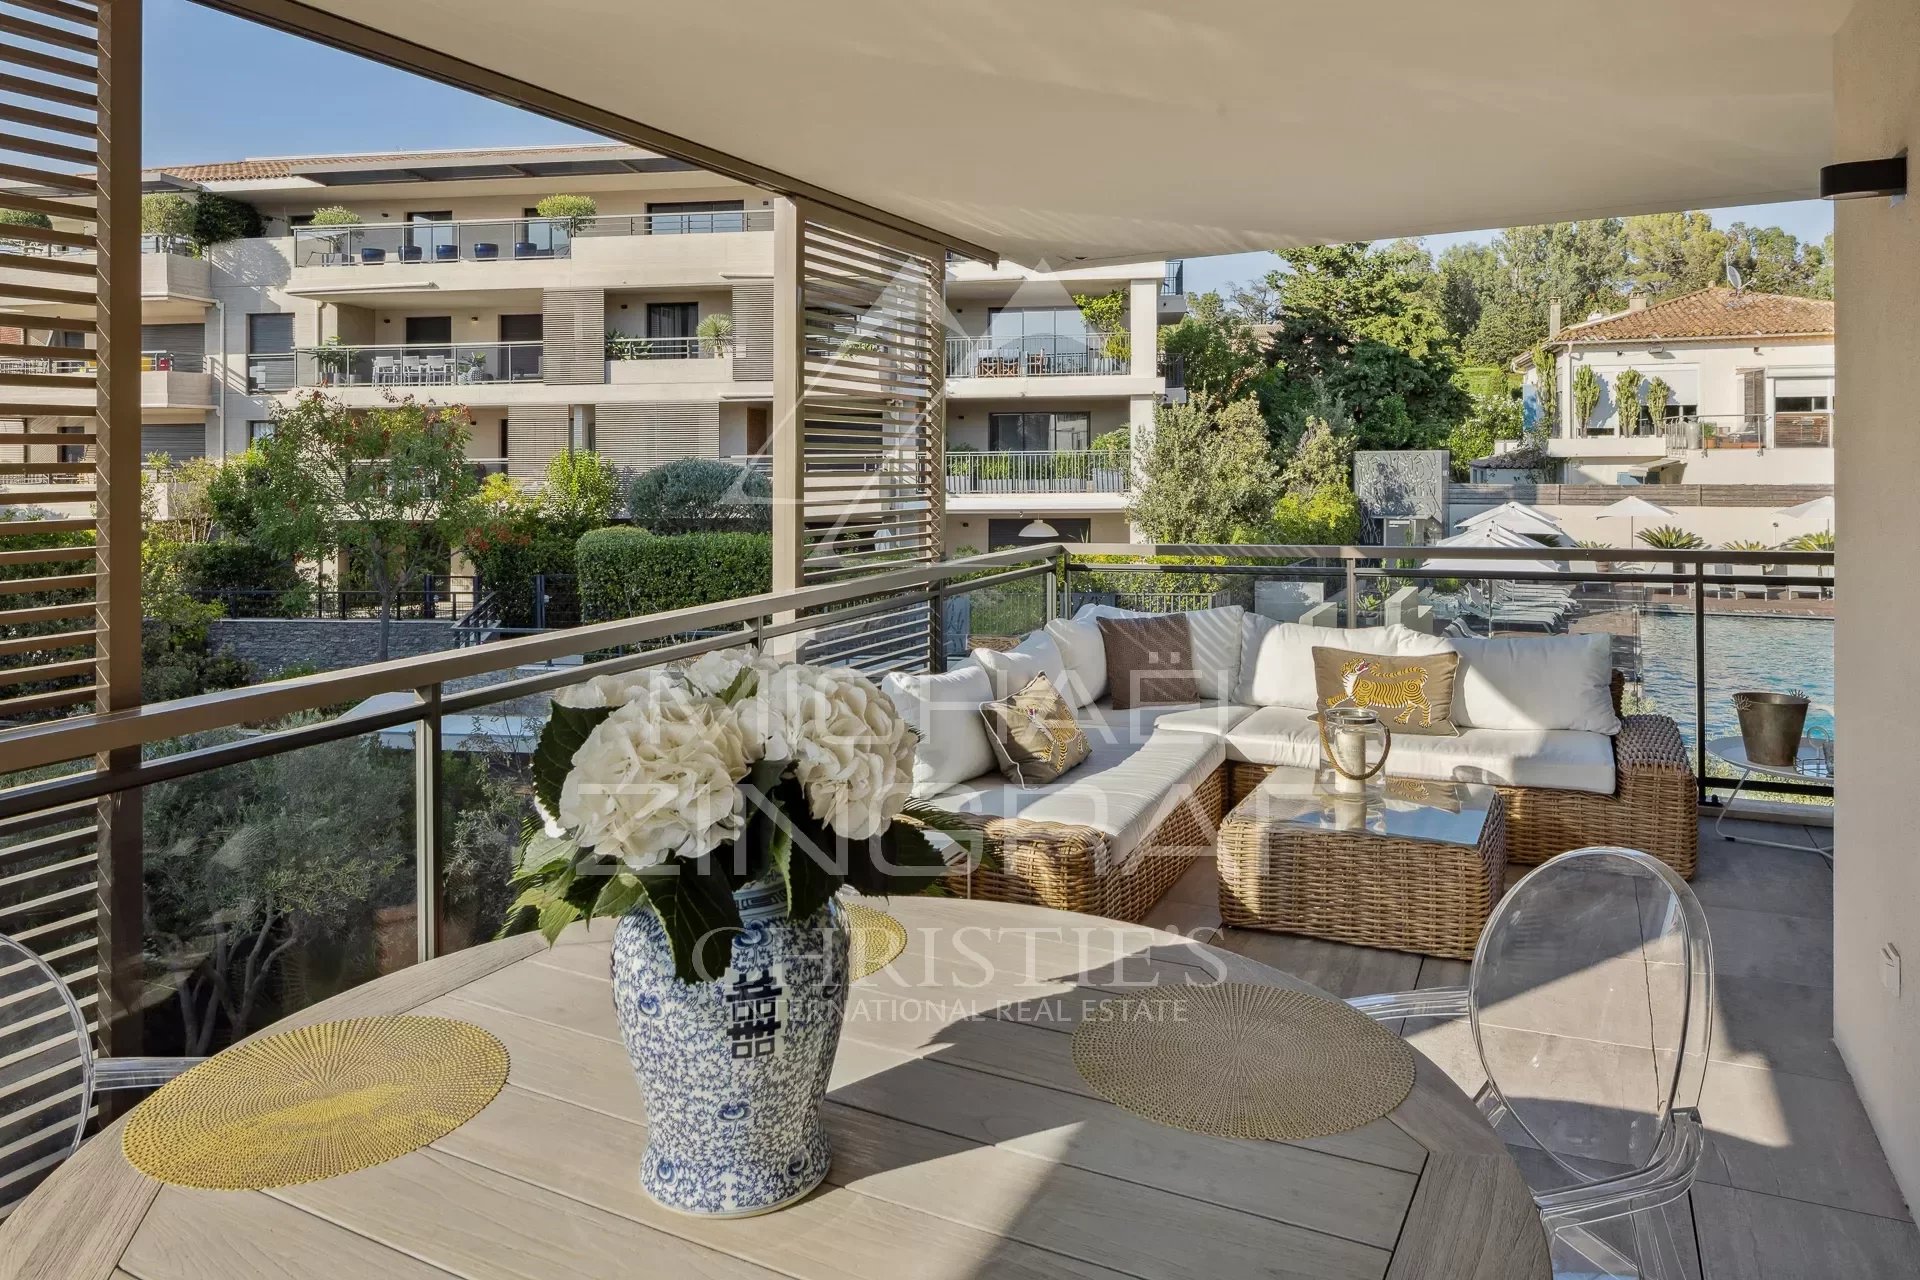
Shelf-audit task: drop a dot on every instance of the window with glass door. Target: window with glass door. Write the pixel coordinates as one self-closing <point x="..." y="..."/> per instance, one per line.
<point x="421" y="239"/>
<point x="1803" y="412"/>
<point x="670" y="329"/>
<point x="269" y="352"/>
<point x="695" y="217"/>
<point x="1039" y="432"/>
<point x="1047" y="340"/>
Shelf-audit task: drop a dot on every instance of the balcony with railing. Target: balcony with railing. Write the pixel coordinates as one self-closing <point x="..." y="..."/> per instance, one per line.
<point x="403" y="366"/>
<point x="168" y="379"/>
<point x="1037" y="471"/>
<point x="500" y="240"/>
<point x="1042" y="355"/>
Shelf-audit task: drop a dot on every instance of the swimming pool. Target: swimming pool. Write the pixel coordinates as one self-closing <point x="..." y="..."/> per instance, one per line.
<point x="1778" y="655"/>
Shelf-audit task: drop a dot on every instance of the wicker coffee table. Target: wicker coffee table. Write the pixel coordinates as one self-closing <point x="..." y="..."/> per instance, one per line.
<point x="1416" y="867"/>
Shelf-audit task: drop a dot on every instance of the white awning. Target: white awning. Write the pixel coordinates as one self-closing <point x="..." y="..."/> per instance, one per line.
<point x="1096" y="130"/>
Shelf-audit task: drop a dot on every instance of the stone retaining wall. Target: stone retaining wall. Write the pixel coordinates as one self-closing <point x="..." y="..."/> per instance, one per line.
<point x="274" y="644"/>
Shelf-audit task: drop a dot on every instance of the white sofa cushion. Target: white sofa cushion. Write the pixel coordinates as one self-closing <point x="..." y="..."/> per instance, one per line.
<point x="1102" y="722"/>
<point x="1084" y="654"/>
<point x="1216" y="644"/>
<point x="1014" y="669"/>
<point x="1558" y="759"/>
<point x="1276" y="668"/>
<point x="1122" y="790"/>
<point x="944" y="709"/>
<point x="1535" y="682"/>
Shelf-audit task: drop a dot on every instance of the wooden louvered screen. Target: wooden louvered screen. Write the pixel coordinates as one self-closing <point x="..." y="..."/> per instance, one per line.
<point x="70" y="487"/>
<point x="859" y="485"/>
<point x="573" y="328"/>
<point x="752" y="330"/>
<point x="535" y="433"/>
<point x="647" y="433"/>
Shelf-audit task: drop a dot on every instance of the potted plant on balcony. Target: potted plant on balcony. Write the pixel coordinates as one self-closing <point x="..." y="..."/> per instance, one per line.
<point x="339" y="243"/>
<point x="716" y="334"/>
<point x="993" y="473"/>
<point x="962" y="461"/>
<point x="1112" y="461"/>
<point x="624" y="346"/>
<point x="715" y="810"/>
<point x="1587" y="390"/>
<point x="569" y="215"/>
<point x="330" y="360"/>
<point x="167" y="216"/>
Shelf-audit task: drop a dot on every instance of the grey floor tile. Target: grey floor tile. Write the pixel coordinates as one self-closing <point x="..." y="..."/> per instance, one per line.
<point x="1796" y="1136"/>
<point x="1771" y="944"/>
<point x="1197" y="920"/>
<point x="1200" y="884"/>
<point x="1745" y="1235"/>
<point x="1759" y="879"/>
<point x="1335" y="967"/>
<point x="1779" y="1026"/>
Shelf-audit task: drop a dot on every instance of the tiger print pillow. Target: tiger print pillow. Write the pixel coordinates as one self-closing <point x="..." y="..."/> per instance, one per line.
<point x="1034" y="735"/>
<point x="1411" y="694"/>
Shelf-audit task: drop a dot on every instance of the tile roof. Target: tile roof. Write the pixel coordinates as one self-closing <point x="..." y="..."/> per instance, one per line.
<point x="1708" y="313"/>
<point x="288" y="166"/>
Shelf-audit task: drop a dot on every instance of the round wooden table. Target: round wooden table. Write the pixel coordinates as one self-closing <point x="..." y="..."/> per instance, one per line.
<point x="964" y="1145"/>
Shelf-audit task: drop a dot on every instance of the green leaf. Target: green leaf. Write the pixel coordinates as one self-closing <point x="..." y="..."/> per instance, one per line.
<point x="696" y="907"/>
<point x="556" y="914"/>
<point x="545" y="853"/>
<point x="621" y="894"/>
<point x="744" y="683"/>
<point x="567" y="728"/>
<point x="901" y="860"/>
<point x="810" y="884"/>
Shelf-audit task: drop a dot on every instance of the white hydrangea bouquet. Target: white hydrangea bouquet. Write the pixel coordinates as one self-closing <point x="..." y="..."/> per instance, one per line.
<point x="674" y="787"/>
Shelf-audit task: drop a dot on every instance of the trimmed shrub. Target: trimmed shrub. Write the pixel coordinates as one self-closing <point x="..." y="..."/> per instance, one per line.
<point x="247" y="579"/>
<point x="508" y="564"/>
<point x="218" y="218"/>
<point x="1329" y="516"/>
<point x="574" y="213"/>
<point x="166" y="213"/>
<point x="21" y="218"/>
<point x="702" y="495"/>
<point x="626" y="573"/>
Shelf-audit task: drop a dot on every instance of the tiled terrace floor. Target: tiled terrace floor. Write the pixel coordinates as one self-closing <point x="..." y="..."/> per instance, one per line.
<point x="1794" y="1185"/>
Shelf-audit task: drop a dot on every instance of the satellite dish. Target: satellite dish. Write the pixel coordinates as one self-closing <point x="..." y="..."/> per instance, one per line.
<point x="1734" y="277"/>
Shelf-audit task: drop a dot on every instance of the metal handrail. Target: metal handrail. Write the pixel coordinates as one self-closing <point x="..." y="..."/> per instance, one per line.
<point x="417" y="364"/>
<point x="1034" y="355"/>
<point x="626" y="346"/>
<point x="1038" y="471"/>
<point x="376" y="244"/>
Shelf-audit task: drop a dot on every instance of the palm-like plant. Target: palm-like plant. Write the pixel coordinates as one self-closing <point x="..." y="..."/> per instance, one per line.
<point x="1587" y="390"/>
<point x="1668" y="537"/>
<point x="1626" y="400"/>
<point x="1745" y="544"/>
<point x="1820" y="541"/>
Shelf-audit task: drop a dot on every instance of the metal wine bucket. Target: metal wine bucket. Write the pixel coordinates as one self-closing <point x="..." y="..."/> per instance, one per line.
<point x="1770" y="725"/>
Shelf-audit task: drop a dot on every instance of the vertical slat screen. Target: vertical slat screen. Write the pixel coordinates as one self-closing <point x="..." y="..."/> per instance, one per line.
<point x="535" y="433"/>
<point x="573" y="329"/>
<point x="872" y="449"/>
<point x="752" y="330"/>
<point x="646" y="433"/>
<point x="69" y="497"/>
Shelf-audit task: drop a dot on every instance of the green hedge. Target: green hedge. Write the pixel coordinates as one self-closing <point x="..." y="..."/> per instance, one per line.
<point x="249" y="580"/>
<point x="507" y="568"/>
<point x="626" y="572"/>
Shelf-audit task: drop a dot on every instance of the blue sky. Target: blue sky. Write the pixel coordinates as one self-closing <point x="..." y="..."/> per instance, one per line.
<point x="278" y="95"/>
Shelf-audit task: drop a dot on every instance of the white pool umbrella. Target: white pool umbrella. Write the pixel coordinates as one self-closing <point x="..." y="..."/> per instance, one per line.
<point x="1631" y="509"/>
<point x="1509" y="508"/>
<point x="1820" y="509"/>
<point x="1491" y="536"/>
<point x="1521" y="520"/>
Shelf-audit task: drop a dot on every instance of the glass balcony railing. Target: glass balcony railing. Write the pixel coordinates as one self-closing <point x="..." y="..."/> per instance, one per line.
<point x="1037" y="471"/>
<point x="1042" y="355"/>
<point x="416" y="365"/>
<point x="496" y="240"/>
<point x="150" y="362"/>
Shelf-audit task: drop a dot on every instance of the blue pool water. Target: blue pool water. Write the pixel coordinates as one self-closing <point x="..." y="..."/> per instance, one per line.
<point x="1776" y="655"/>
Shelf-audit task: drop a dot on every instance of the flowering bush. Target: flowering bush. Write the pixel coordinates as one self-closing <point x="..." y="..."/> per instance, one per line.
<point x="673" y="787"/>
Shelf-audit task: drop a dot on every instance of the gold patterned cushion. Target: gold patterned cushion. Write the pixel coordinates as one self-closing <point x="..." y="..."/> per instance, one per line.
<point x="1149" y="660"/>
<point x="1411" y="693"/>
<point x="1034" y="735"/>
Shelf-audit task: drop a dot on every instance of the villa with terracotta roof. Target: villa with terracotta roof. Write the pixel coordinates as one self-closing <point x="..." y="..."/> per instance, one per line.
<point x="1748" y="382"/>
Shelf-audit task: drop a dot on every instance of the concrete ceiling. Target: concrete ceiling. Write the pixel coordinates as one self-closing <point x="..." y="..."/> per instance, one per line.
<point x="1103" y="130"/>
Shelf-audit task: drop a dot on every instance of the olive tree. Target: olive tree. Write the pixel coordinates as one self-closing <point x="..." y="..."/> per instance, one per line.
<point x="382" y="485"/>
<point x="1208" y="475"/>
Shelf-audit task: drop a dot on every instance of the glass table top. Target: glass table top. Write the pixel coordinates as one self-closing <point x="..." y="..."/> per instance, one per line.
<point x="1404" y="808"/>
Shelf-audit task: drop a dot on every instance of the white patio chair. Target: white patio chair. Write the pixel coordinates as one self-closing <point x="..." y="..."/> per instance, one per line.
<point x="1588" y="1003"/>
<point x="46" y="1096"/>
<point x="386" y="369"/>
<point x="410" y="367"/>
<point x="436" y="370"/>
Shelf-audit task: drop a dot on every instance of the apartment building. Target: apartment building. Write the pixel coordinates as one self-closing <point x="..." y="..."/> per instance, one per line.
<point x="643" y="331"/>
<point x="1750" y="383"/>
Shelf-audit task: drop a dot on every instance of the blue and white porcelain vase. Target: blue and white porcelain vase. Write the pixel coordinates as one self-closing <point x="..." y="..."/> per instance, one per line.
<point x="734" y="1071"/>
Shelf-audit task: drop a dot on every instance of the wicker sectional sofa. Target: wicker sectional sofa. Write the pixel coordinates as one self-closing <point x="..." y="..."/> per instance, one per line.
<point x="1112" y="836"/>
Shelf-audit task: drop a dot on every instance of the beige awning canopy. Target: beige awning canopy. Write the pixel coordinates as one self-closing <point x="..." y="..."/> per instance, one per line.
<point x="1107" y="130"/>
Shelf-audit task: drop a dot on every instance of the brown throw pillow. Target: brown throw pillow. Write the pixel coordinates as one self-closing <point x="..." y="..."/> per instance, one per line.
<point x="1411" y="694"/>
<point x="1149" y="660"/>
<point x="1034" y="735"/>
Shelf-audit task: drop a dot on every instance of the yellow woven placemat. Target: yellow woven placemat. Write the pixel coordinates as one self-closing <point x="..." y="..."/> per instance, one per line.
<point x="315" y="1102"/>
<point x="875" y="939"/>
<point x="1237" y="1060"/>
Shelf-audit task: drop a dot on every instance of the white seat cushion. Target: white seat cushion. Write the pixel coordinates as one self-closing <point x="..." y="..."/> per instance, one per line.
<point x="1535" y="682"/>
<point x="1276" y="668"/>
<point x="1555" y="759"/>
<point x="944" y="710"/>
<point x="1137" y="724"/>
<point x="1123" y="790"/>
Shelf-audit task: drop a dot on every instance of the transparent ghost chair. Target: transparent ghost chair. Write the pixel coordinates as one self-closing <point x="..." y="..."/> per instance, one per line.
<point x="1589" y="1005"/>
<point x="48" y="1072"/>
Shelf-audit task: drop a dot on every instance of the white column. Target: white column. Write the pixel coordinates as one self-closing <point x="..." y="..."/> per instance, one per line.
<point x="1143" y="325"/>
